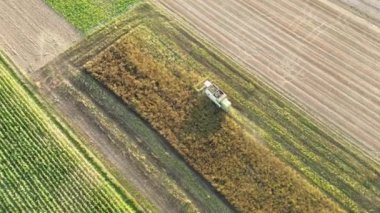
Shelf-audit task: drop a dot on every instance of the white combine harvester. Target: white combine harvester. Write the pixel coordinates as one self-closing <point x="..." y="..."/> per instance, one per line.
<point x="217" y="96"/>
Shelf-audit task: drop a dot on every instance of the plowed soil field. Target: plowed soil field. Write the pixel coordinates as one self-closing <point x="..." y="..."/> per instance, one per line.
<point x="32" y="33"/>
<point x="368" y="8"/>
<point x="321" y="55"/>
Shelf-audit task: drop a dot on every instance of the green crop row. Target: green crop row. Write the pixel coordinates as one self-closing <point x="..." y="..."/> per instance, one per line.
<point x="41" y="169"/>
<point x="85" y="15"/>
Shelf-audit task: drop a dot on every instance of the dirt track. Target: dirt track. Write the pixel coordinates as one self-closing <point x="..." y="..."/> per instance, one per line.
<point x="320" y="55"/>
<point x="33" y="34"/>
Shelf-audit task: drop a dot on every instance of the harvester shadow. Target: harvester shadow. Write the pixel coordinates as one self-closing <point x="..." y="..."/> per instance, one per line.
<point x="205" y="119"/>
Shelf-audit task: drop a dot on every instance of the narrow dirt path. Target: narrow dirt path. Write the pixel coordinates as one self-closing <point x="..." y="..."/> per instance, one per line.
<point x="319" y="54"/>
<point x="32" y="33"/>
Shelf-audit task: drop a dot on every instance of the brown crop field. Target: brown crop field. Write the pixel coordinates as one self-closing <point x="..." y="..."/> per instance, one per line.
<point x="319" y="54"/>
<point x="243" y="170"/>
<point x="159" y="87"/>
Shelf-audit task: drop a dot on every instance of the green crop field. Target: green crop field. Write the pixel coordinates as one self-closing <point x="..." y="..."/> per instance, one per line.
<point x="87" y="14"/>
<point x="43" y="166"/>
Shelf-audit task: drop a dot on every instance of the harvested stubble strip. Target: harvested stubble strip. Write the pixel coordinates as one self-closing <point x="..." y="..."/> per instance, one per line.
<point x="243" y="170"/>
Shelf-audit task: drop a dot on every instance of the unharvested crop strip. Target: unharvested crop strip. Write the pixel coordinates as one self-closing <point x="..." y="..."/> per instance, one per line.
<point x="126" y="55"/>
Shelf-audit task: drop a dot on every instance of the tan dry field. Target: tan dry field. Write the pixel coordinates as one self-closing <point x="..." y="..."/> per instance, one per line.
<point x="32" y="33"/>
<point x="322" y="56"/>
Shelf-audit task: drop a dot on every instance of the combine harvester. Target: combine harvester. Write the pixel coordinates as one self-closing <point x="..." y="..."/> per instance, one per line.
<point x="217" y="96"/>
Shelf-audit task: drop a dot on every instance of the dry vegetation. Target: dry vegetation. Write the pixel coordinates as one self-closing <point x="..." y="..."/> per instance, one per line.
<point x="161" y="91"/>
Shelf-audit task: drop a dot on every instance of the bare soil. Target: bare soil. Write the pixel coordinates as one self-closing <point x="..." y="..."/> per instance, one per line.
<point x="32" y="33"/>
<point x="317" y="53"/>
<point x="368" y="8"/>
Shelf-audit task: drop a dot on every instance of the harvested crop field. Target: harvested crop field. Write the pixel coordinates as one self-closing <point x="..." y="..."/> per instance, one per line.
<point x="32" y="33"/>
<point x="320" y="55"/>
